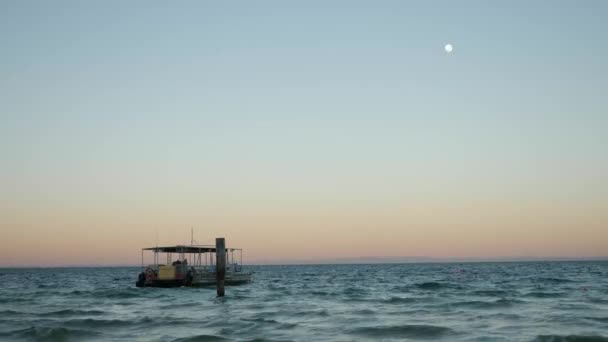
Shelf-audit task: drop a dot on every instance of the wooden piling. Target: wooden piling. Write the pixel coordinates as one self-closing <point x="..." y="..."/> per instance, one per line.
<point x="220" y="257"/>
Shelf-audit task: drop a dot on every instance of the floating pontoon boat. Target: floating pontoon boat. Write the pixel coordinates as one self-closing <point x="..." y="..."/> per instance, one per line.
<point x="194" y="266"/>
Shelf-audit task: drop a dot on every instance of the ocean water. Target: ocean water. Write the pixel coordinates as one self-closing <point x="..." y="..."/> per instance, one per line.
<point x="533" y="301"/>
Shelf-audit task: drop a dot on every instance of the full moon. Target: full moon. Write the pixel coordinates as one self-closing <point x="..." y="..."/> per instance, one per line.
<point x="448" y="48"/>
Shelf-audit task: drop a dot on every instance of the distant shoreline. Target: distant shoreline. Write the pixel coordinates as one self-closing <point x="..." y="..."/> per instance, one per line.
<point x="352" y="261"/>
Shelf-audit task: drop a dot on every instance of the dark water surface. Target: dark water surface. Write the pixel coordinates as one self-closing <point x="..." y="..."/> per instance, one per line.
<point x="535" y="301"/>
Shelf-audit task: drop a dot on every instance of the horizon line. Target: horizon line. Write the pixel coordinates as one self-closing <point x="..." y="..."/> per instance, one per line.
<point x="354" y="261"/>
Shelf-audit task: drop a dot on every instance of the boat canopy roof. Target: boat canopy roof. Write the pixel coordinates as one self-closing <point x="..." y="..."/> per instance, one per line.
<point x="195" y="249"/>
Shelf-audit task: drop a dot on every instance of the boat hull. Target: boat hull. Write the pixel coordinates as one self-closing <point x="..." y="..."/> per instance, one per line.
<point x="230" y="279"/>
<point x="199" y="280"/>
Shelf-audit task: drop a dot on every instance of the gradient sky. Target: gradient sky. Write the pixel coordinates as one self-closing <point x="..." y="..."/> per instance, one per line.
<point x="310" y="129"/>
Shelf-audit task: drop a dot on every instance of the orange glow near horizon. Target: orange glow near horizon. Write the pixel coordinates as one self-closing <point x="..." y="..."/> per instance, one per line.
<point x="276" y="232"/>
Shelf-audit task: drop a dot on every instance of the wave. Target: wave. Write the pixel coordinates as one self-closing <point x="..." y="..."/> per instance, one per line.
<point x="354" y="291"/>
<point x="14" y="300"/>
<point x="122" y="293"/>
<point x="570" y="338"/>
<point x="430" y="285"/>
<point x="7" y="313"/>
<point x="553" y="280"/>
<point x="478" y="304"/>
<point x="50" y="334"/>
<point x="72" y="312"/>
<point x="92" y="323"/>
<point x="282" y="325"/>
<point x="491" y="293"/>
<point x="598" y="319"/>
<point x="540" y="294"/>
<point x="201" y="338"/>
<point x="501" y="316"/>
<point x="400" y="300"/>
<point x="365" y="312"/>
<point x="403" y="331"/>
<point x="314" y="313"/>
<point x="597" y="300"/>
<point x="98" y="323"/>
<point x="320" y="293"/>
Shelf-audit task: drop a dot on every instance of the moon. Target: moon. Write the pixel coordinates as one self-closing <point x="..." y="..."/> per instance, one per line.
<point x="448" y="48"/>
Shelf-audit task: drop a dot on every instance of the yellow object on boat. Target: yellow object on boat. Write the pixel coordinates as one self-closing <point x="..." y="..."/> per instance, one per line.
<point x="166" y="272"/>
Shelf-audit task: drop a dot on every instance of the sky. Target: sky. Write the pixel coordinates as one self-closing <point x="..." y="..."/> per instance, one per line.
<point x="303" y="129"/>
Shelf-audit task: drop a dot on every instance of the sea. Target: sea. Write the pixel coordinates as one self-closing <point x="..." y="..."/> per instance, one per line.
<point x="509" y="301"/>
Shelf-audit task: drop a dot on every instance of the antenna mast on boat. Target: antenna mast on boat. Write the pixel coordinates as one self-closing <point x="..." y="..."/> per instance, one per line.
<point x="192" y="241"/>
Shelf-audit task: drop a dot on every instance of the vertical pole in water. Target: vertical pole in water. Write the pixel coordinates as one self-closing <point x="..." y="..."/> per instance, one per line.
<point x="220" y="258"/>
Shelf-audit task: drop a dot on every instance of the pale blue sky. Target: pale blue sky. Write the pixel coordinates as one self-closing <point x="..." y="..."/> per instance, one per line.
<point x="144" y="105"/>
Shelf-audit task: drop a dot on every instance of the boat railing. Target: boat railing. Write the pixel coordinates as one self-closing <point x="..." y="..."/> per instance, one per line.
<point x="211" y="268"/>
